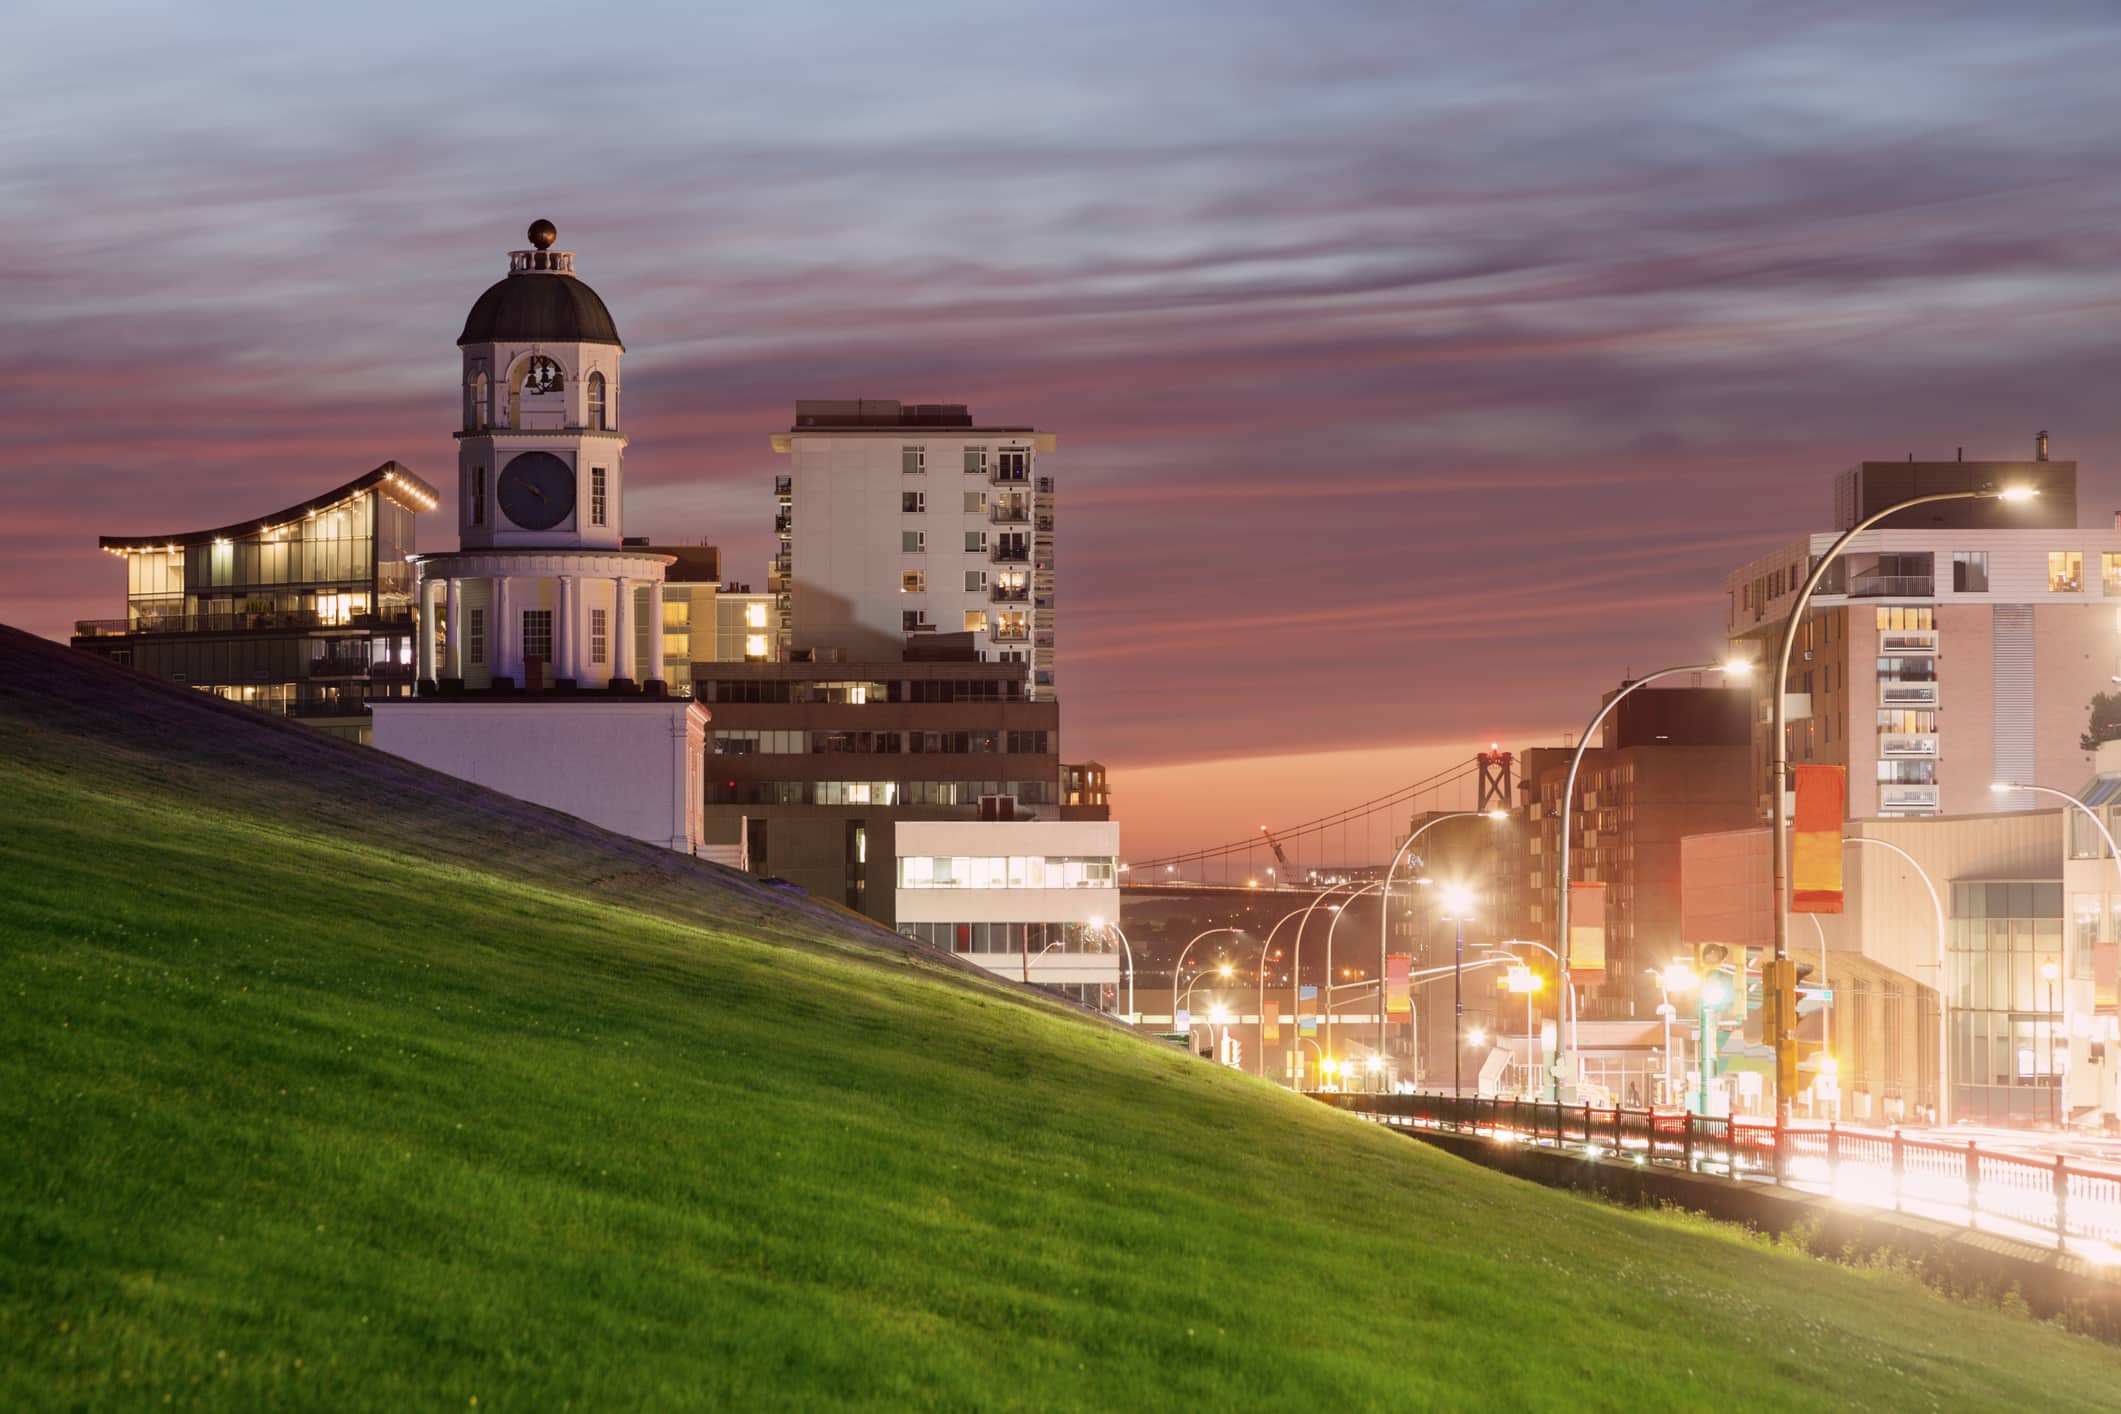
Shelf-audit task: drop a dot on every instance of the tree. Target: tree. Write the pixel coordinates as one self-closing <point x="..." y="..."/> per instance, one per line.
<point x="2106" y="721"/>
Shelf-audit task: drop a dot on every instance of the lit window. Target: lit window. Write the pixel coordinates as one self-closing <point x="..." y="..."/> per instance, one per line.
<point x="755" y="615"/>
<point x="755" y="645"/>
<point x="2065" y="572"/>
<point x="598" y="481"/>
<point x="474" y="635"/>
<point x="912" y="582"/>
<point x="599" y="635"/>
<point x="975" y="620"/>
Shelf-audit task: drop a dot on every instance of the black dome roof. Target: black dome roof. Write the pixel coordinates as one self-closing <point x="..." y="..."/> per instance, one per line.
<point x="539" y="308"/>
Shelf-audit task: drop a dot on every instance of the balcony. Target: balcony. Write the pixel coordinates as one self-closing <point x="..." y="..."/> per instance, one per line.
<point x="1012" y="555"/>
<point x="784" y="486"/>
<point x="274" y="621"/>
<point x="783" y="523"/>
<point x="1907" y="694"/>
<point x="1908" y="800"/>
<point x="1004" y="475"/>
<point x="1010" y="515"/>
<point x="1892" y="586"/>
<point x="1906" y="642"/>
<point x="1011" y="633"/>
<point x="1005" y="594"/>
<point x="1908" y="745"/>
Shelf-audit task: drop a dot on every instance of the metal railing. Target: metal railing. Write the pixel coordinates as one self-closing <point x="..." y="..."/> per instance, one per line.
<point x="1902" y="586"/>
<point x="265" y="621"/>
<point x="2060" y="1199"/>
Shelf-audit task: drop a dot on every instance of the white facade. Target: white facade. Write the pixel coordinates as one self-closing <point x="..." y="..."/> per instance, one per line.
<point x="1967" y="657"/>
<point x="629" y="765"/>
<point x="894" y="531"/>
<point x="1025" y="899"/>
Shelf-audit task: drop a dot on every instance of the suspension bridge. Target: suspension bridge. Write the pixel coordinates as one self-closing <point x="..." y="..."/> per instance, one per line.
<point x="1352" y="843"/>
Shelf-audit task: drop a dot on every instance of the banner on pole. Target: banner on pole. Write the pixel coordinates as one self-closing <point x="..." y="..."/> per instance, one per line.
<point x="1396" y="1003"/>
<point x="2106" y="979"/>
<point x="1182" y="1021"/>
<point x="1270" y="1025"/>
<point x="1586" y="929"/>
<point x="1815" y="845"/>
<point x="1306" y="1022"/>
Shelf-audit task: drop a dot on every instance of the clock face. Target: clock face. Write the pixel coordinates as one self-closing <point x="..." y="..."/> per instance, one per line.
<point x="536" y="490"/>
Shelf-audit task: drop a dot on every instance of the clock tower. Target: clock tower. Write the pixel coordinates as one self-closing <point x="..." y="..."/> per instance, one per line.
<point x="540" y="459"/>
<point x="540" y="638"/>
<point x="544" y="596"/>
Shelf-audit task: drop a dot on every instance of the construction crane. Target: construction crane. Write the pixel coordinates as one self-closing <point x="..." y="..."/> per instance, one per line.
<point x="1280" y="858"/>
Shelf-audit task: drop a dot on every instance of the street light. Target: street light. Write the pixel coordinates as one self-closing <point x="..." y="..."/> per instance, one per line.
<point x="1731" y="667"/>
<point x="1126" y="948"/>
<point x="1384" y="905"/>
<point x="1181" y="965"/>
<point x="1458" y="907"/>
<point x="1523" y="979"/>
<point x="1778" y="687"/>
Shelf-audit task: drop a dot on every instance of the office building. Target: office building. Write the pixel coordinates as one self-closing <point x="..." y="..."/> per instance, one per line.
<point x="1027" y="899"/>
<point x="1957" y="645"/>
<point x="1996" y="918"/>
<point x="305" y="612"/>
<point x="817" y="763"/>
<point x="898" y="521"/>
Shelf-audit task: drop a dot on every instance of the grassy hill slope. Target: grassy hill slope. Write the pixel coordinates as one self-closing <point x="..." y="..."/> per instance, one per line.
<point x="328" y="1082"/>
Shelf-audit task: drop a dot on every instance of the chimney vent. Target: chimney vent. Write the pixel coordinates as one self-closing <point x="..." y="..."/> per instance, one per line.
<point x="1961" y="456"/>
<point x="2040" y="447"/>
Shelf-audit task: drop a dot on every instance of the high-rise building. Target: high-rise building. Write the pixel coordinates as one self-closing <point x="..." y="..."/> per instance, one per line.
<point x="1956" y="646"/>
<point x="898" y="521"/>
<point x="305" y="612"/>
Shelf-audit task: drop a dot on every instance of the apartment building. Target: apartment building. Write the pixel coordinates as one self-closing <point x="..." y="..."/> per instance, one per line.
<point x="898" y="521"/>
<point x="1954" y="646"/>
<point x="1672" y="762"/>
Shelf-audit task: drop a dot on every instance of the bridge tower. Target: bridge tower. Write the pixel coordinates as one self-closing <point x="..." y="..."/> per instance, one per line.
<point x="1495" y="779"/>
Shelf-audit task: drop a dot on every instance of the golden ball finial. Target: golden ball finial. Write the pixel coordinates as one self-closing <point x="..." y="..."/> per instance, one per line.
<point x="543" y="233"/>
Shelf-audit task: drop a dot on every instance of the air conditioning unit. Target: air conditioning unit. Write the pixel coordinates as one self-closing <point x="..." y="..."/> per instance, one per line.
<point x="997" y="807"/>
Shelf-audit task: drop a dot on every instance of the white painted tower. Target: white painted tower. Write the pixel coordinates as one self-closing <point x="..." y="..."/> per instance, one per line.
<point x="543" y="592"/>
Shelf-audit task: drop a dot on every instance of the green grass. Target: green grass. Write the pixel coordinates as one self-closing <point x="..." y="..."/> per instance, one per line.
<point x="304" y="1110"/>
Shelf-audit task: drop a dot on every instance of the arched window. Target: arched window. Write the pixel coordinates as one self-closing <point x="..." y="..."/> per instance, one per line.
<point x="596" y="403"/>
<point x="481" y="408"/>
<point x="537" y="387"/>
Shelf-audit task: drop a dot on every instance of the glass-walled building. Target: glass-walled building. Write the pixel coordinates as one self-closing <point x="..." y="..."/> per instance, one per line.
<point x="2009" y="1047"/>
<point x="305" y="612"/>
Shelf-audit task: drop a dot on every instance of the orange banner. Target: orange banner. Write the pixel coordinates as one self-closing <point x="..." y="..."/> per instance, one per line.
<point x="2106" y="979"/>
<point x="1396" y="965"/>
<point x="1270" y="1023"/>
<point x="1815" y="845"/>
<point x="1586" y="929"/>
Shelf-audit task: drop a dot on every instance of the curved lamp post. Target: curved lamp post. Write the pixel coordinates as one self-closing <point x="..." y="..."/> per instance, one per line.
<point x="1180" y="966"/>
<point x="1778" y="686"/>
<point x="1733" y="667"/>
<point x="1384" y="904"/>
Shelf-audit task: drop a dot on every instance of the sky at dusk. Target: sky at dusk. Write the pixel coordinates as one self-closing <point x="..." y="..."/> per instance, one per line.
<point x="1419" y="370"/>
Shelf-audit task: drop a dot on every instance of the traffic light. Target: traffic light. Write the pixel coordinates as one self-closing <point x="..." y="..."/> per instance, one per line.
<point x="1778" y="1017"/>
